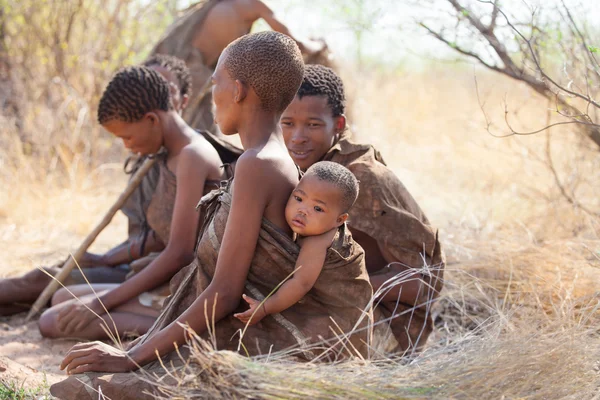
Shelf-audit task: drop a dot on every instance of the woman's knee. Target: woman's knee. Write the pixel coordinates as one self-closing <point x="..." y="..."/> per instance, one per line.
<point x="60" y="296"/>
<point x="48" y="324"/>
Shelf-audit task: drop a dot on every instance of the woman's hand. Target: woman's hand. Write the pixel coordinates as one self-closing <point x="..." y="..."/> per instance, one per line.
<point x="96" y="357"/>
<point x="76" y="314"/>
<point x="255" y="306"/>
<point x="90" y="260"/>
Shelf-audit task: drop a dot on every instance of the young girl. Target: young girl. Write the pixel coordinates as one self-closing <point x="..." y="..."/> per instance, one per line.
<point x="113" y="266"/>
<point x="136" y="107"/>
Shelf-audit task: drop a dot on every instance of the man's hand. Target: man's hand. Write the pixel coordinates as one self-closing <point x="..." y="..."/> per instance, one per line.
<point x="75" y="315"/>
<point x="247" y="316"/>
<point x="96" y="357"/>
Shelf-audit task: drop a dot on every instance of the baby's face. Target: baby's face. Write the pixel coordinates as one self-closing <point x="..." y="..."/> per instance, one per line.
<point x="314" y="207"/>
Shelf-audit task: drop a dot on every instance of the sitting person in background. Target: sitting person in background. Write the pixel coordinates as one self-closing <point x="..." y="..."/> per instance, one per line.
<point x="136" y="108"/>
<point x="403" y="255"/>
<point x="200" y="35"/>
<point x="317" y="208"/>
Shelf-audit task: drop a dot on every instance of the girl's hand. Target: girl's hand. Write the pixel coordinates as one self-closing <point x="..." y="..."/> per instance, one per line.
<point x="75" y="315"/>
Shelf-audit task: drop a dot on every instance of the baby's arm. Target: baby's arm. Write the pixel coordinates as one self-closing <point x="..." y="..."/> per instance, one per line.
<point x="308" y="267"/>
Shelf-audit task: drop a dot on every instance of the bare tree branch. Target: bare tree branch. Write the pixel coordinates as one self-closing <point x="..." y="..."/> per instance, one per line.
<point x="535" y="59"/>
<point x="526" y="65"/>
<point x="439" y="37"/>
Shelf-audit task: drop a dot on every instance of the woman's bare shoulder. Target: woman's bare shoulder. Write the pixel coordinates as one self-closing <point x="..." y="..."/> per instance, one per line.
<point x="200" y="153"/>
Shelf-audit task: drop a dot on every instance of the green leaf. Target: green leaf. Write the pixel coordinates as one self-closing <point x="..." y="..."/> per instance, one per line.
<point x="593" y="49"/>
<point x="465" y="13"/>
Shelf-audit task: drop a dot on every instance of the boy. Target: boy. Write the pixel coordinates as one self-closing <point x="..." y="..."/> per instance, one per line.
<point x="386" y="220"/>
<point x="316" y="209"/>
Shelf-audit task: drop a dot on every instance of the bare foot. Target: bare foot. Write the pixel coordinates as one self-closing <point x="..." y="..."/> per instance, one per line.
<point x="12" y="309"/>
<point x="24" y="289"/>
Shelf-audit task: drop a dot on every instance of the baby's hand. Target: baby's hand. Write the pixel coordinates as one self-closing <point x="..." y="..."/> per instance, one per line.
<point x="247" y="317"/>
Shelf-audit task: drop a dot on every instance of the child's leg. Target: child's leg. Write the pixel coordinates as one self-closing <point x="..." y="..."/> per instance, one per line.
<point x="17" y="293"/>
<point x="79" y="291"/>
<point x="130" y="317"/>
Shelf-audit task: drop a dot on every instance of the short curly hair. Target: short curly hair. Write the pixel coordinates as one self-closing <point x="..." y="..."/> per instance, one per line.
<point x="270" y="63"/>
<point x="323" y="81"/>
<point x="339" y="176"/>
<point x="177" y="66"/>
<point x="133" y="92"/>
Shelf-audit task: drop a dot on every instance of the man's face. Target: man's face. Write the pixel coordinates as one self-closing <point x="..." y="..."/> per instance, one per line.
<point x="310" y="129"/>
<point x="179" y="102"/>
<point x="314" y="207"/>
<point x="141" y="137"/>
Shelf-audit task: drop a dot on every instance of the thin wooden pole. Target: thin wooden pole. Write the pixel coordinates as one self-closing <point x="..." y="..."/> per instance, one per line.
<point x="68" y="266"/>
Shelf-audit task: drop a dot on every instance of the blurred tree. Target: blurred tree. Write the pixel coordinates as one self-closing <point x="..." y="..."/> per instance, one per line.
<point x="60" y="55"/>
<point x="8" y="104"/>
<point x="554" y="49"/>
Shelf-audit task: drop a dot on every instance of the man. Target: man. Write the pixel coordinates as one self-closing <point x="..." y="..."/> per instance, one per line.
<point x="201" y="34"/>
<point x="403" y="255"/>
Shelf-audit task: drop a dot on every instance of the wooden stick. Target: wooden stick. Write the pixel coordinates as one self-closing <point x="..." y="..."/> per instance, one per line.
<point x="68" y="266"/>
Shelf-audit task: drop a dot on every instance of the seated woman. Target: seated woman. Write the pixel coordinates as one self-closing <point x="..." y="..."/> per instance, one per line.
<point x="246" y="245"/>
<point x="403" y="255"/>
<point x="136" y="107"/>
<point x="111" y="267"/>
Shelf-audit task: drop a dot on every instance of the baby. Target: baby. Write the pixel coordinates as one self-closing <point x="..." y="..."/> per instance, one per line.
<point x="316" y="209"/>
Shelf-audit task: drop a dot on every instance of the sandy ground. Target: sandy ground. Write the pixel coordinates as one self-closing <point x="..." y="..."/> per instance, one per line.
<point x="29" y="359"/>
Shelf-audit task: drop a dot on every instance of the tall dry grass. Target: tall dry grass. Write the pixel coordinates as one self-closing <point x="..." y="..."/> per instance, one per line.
<point x="518" y="317"/>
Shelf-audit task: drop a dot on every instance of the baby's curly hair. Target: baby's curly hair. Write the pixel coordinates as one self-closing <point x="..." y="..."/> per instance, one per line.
<point x="323" y="81"/>
<point x="133" y="92"/>
<point x="339" y="176"/>
<point x="270" y="63"/>
<point x="177" y="66"/>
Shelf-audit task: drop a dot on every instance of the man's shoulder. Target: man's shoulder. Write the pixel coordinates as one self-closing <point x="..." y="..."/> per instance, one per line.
<point x="378" y="184"/>
<point x="347" y="151"/>
<point x="250" y="10"/>
<point x="365" y="162"/>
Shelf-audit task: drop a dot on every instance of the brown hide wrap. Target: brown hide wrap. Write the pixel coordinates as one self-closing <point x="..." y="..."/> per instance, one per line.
<point x="387" y="212"/>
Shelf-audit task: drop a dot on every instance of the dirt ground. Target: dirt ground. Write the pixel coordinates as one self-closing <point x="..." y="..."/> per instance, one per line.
<point x="27" y="359"/>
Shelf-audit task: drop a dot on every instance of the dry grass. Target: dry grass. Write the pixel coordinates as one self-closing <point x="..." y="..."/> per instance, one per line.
<point x="519" y="312"/>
